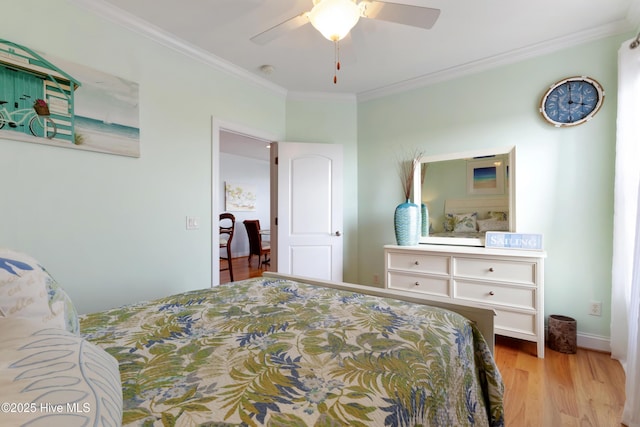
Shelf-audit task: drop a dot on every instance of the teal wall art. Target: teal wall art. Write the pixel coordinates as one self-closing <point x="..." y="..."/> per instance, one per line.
<point x="51" y="101"/>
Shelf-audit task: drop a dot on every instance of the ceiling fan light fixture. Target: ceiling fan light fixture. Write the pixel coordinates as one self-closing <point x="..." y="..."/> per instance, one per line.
<point x="334" y="18"/>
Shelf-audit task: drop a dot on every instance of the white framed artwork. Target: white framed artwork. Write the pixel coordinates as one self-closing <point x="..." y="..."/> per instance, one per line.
<point x="240" y="197"/>
<point x="485" y="176"/>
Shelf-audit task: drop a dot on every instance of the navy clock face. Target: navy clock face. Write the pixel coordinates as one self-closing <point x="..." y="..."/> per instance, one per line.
<point x="572" y="101"/>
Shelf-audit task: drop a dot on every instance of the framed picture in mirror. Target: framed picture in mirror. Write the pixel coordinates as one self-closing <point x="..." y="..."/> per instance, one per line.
<point x="441" y="183"/>
<point x="485" y="176"/>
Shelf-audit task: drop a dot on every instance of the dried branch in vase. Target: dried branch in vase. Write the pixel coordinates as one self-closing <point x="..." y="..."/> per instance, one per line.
<point x="406" y="170"/>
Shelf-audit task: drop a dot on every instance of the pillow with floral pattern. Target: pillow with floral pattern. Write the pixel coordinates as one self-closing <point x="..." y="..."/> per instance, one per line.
<point x="28" y="291"/>
<point x="461" y="223"/>
<point x="498" y="215"/>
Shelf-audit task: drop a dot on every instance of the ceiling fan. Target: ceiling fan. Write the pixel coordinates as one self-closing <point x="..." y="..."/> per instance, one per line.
<point x="335" y="18"/>
<point x="327" y="15"/>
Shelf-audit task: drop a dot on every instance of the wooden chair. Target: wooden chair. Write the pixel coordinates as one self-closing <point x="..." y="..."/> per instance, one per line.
<point x="256" y="247"/>
<point x="227" y="225"/>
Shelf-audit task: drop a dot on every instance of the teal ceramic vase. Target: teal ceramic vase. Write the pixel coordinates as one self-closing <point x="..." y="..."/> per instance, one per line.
<point x="424" y="232"/>
<point x="406" y="221"/>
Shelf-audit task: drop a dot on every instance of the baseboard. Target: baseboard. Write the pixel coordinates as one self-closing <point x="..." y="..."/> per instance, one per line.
<point x="588" y="341"/>
<point x="593" y="342"/>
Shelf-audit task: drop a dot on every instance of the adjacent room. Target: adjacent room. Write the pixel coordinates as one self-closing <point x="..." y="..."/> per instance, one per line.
<point x="223" y="212"/>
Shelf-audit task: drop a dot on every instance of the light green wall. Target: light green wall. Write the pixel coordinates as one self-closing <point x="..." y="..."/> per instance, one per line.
<point x="333" y="121"/>
<point x="442" y="181"/>
<point x="111" y="229"/>
<point x="564" y="177"/>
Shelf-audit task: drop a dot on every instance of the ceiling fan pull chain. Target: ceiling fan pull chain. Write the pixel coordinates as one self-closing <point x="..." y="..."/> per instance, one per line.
<point x="336" y="60"/>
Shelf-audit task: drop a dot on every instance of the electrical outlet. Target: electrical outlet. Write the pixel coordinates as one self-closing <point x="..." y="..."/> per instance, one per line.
<point x="595" y="308"/>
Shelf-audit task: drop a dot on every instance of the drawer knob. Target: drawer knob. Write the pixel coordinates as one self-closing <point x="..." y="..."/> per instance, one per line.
<point x="491" y="269"/>
<point x="492" y="293"/>
<point x="417" y="262"/>
<point x="417" y="283"/>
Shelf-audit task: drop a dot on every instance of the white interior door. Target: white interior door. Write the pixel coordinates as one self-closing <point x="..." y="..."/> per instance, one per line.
<point x="307" y="199"/>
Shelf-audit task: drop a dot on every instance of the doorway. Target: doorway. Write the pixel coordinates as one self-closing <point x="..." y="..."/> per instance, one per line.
<point x="313" y="171"/>
<point x="240" y="159"/>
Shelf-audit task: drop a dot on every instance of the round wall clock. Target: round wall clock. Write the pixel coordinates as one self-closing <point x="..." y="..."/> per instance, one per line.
<point x="572" y="101"/>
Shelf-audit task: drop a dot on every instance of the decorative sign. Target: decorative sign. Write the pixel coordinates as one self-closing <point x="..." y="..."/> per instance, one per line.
<point x="496" y="239"/>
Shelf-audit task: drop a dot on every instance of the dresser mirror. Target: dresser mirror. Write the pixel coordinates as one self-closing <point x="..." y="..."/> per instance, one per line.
<point x="466" y="194"/>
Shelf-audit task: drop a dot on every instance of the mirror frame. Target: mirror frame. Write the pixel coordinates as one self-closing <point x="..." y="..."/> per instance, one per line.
<point x="510" y="151"/>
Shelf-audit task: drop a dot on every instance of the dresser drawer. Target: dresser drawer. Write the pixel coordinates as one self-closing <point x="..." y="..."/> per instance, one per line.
<point x="418" y="262"/>
<point x="511" y="282"/>
<point x="510" y="322"/>
<point x="523" y="272"/>
<point x="494" y="294"/>
<point x="429" y="285"/>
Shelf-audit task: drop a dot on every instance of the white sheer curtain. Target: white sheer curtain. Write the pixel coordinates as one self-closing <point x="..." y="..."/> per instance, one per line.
<point x="625" y="297"/>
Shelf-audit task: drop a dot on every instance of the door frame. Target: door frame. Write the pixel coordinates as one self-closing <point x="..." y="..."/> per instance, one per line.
<point x="218" y="125"/>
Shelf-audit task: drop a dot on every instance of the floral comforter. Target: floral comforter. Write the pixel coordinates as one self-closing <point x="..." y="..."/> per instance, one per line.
<point x="282" y="353"/>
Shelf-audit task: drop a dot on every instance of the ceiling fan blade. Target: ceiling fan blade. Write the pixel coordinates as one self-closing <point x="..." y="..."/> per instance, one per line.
<point x="416" y="16"/>
<point x="280" y="29"/>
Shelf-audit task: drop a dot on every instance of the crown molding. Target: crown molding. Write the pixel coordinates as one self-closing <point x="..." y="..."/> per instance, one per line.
<point x="321" y="96"/>
<point x="511" y="57"/>
<point x="144" y="28"/>
<point x="100" y="7"/>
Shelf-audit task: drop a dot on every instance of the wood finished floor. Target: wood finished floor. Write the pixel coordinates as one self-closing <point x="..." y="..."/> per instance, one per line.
<point x="585" y="389"/>
<point x="242" y="269"/>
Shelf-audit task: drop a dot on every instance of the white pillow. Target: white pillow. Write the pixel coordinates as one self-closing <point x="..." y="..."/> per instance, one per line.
<point x="24" y="291"/>
<point x="60" y="304"/>
<point x="57" y="378"/>
<point x="492" y="225"/>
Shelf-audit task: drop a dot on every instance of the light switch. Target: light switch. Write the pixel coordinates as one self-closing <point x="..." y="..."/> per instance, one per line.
<point x="193" y="223"/>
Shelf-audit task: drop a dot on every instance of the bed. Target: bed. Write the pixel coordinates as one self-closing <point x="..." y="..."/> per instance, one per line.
<point x="466" y="221"/>
<point x="280" y="350"/>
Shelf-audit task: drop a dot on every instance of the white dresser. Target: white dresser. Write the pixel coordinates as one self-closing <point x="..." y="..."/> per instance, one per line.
<point x="509" y="281"/>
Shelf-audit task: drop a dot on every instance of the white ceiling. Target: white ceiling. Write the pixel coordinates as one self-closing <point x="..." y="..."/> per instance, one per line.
<point x="379" y="56"/>
<point x="244" y="146"/>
